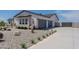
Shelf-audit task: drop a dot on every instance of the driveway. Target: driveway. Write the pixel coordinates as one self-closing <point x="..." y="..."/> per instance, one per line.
<point x="64" y="38"/>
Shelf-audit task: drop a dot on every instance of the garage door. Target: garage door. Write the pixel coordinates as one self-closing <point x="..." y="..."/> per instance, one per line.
<point x="41" y="24"/>
<point x="75" y="25"/>
<point x="66" y="24"/>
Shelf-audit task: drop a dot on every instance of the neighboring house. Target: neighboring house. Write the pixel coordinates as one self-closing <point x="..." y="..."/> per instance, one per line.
<point x="27" y="19"/>
<point x="10" y="20"/>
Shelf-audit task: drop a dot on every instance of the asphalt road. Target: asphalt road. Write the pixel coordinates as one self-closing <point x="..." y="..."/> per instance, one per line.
<point x="64" y="38"/>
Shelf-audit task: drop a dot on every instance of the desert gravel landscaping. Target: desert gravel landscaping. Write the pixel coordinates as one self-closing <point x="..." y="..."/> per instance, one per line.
<point x="10" y="41"/>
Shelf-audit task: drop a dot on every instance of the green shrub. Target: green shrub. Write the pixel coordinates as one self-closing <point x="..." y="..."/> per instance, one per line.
<point x="1" y="35"/>
<point x="50" y="33"/>
<point x="54" y="31"/>
<point x="21" y="27"/>
<point x="43" y="36"/>
<point x="25" y="27"/>
<point x="33" y="41"/>
<point x="39" y="38"/>
<point x="5" y="28"/>
<point x="8" y="29"/>
<point x="47" y="34"/>
<point x="23" y="45"/>
<point x="2" y="23"/>
<point x="18" y="27"/>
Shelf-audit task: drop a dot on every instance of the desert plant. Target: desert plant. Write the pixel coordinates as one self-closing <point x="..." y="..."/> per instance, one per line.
<point x="25" y="27"/>
<point x="39" y="38"/>
<point x="50" y="33"/>
<point x="54" y="31"/>
<point x="21" y="27"/>
<point x="43" y="36"/>
<point x="8" y="29"/>
<point x="18" y="27"/>
<point x="33" y="41"/>
<point x="47" y="34"/>
<point x="1" y="35"/>
<point x="23" y="45"/>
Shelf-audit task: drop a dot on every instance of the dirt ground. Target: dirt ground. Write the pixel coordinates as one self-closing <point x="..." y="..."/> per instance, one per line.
<point x="10" y="41"/>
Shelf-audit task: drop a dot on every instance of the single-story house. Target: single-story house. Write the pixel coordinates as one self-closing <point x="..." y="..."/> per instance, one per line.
<point x="28" y="18"/>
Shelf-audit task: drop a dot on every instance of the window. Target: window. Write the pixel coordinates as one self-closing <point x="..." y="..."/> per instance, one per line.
<point x="20" y="21"/>
<point x="25" y="21"/>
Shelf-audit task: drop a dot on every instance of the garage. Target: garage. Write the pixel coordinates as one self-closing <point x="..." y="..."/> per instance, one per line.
<point x="66" y="24"/>
<point x="75" y="24"/>
<point x="41" y="23"/>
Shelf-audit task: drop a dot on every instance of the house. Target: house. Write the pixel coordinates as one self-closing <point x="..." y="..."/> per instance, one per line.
<point x="28" y="18"/>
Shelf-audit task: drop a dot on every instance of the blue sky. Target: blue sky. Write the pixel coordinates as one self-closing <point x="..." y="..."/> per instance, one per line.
<point x="64" y="15"/>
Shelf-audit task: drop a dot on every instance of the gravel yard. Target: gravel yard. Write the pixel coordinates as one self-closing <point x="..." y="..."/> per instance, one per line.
<point x="11" y="41"/>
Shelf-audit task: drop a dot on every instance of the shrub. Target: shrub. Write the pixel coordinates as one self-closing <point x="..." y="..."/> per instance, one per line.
<point x="23" y="45"/>
<point x="39" y="38"/>
<point x="25" y="27"/>
<point x="4" y="28"/>
<point x="21" y="27"/>
<point x="33" y="41"/>
<point x="1" y="35"/>
<point x="2" y="23"/>
<point x="43" y="36"/>
<point x="18" y="27"/>
<point x="54" y="31"/>
<point x="8" y="29"/>
<point x="47" y="35"/>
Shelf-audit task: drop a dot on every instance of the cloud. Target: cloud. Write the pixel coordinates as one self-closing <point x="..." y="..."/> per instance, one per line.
<point x="69" y="16"/>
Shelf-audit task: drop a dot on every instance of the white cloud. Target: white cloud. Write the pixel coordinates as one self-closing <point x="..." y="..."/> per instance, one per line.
<point x="71" y="16"/>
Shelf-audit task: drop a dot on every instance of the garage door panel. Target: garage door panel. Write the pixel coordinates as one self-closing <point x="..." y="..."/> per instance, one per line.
<point x="67" y="24"/>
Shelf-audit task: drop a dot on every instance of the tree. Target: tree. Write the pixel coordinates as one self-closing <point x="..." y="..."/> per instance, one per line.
<point x="2" y="23"/>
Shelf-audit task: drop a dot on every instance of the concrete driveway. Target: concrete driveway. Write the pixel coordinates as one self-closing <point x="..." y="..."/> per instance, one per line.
<point x="64" y="38"/>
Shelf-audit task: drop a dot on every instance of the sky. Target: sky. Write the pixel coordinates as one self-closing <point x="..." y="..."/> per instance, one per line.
<point x="64" y="15"/>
